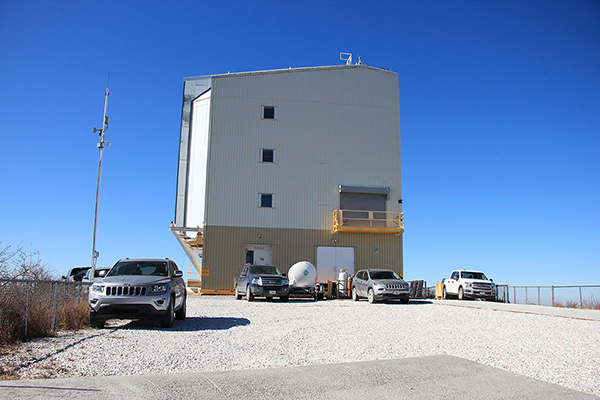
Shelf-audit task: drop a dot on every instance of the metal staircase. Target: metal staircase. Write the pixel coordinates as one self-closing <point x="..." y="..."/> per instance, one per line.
<point x="193" y="248"/>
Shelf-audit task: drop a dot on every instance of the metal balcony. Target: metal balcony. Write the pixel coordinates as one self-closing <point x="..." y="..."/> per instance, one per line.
<point x="363" y="221"/>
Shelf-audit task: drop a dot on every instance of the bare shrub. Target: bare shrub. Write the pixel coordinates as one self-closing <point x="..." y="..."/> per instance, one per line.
<point x="16" y="264"/>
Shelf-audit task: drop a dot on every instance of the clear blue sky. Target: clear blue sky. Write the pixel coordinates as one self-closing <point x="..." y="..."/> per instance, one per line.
<point x="499" y="116"/>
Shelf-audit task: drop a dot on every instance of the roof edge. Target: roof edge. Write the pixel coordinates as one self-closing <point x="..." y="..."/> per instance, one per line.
<point x="291" y="70"/>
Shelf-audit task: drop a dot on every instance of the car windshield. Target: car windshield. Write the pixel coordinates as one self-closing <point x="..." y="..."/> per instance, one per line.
<point x="78" y="271"/>
<point x="99" y="273"/>
<point x="383" y="275"/>
<point x="263" y="270"/>
<point x="144" y="268"/>
<point x="474" y="275"/>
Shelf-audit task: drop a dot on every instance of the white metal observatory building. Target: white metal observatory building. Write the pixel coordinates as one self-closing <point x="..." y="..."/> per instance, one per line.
<point x="282" y="166"/>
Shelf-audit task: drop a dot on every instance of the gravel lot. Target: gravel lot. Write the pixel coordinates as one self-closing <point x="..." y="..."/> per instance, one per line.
<point x="221" y="333"/>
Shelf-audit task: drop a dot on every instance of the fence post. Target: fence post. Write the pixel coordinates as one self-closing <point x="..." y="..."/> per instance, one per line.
<point x="580" y="298"/>
<point x="26" y="305"/>
<point x="78" y="292"/>
<point x="55" y="286"/>
<point x="526" y="298"/>
<point x="515" y="294"/>
<point x="539" y="296"/>
<point x="552" y="295"/>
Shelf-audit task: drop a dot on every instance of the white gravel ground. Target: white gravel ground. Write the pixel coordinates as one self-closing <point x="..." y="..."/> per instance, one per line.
<point x="221" y="333"/>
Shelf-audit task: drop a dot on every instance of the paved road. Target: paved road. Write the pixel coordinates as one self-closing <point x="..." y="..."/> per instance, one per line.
<point x="431" y="377"/>
<point x="576" y="313"/>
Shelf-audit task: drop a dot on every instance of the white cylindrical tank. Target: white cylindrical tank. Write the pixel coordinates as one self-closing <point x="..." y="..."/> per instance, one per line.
<point x="343" y="280"/>
<point x="302" y="274"/>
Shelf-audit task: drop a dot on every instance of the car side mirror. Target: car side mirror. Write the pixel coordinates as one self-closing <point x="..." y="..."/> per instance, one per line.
<point x="491" y="280"/>
<point x="63" y="277"/>
<point x="178" y="274"/>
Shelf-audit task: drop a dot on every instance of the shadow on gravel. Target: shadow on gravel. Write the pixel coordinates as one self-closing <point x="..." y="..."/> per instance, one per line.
<point x="418" y="302"/>
<point x="34" y="361"/>
<point x="191" y="324"/>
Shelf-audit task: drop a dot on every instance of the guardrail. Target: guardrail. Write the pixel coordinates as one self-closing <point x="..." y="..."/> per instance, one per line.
<point x="564" y="295"/>
<point x="20" y="299"/>
<point x="367" y="221"/>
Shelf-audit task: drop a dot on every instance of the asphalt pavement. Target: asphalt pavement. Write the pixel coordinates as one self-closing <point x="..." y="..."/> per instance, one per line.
<point x="430" y="377"/>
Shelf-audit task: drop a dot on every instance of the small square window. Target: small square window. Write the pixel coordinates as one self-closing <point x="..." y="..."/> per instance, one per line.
<point x="266" y="200"/>
<point x="268" y="112"/>
<point x="267" y="155"/>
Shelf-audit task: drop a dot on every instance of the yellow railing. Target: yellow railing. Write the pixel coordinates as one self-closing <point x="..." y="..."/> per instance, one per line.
<point x="363" y="221"/>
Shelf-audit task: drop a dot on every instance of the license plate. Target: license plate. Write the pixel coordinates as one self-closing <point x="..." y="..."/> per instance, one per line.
<point x="396" y="292"/>
<point x="272" y="292"/>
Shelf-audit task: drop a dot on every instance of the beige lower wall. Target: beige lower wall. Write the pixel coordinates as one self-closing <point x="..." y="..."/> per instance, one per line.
<point x="224" y="250"/>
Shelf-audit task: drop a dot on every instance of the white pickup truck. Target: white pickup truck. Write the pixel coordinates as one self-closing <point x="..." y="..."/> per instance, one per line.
<point x="469" y="284"/>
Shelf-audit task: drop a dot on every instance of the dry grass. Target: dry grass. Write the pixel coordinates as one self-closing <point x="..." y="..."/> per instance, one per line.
<point x="592" y="304"/>
<point x="589" y="304"/>
<point x="70" y="314"/>
<point x="74" y="316"/>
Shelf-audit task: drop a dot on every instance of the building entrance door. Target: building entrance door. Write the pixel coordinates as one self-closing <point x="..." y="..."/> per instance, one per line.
<point x="330" y="260"/>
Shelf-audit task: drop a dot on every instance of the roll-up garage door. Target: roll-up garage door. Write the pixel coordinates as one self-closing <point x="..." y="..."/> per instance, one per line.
<point x="356" y="198"/>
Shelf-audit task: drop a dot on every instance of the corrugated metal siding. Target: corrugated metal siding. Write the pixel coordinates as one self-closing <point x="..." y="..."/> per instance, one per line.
<point x="344" y="118"/>
<point x="224" y="250"/>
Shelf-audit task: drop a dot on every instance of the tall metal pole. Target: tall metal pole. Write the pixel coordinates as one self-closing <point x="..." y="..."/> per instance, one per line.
<point x="101" y="143"/>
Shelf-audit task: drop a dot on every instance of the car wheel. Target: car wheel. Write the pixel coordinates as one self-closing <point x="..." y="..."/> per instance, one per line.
<point x="285" y="298"/>
<point x="249" y="295"/>
<point x="95" y="322"/>
<point x="491" y="298"/>
<point x="461" y="293"/>
<point x="238" y="296"/>
<point x="371" y="296"/>
<point x="167" y="321"/>
<point x="404" y="300"/>
<point x="354" y="294"/>
<point x="320" y="296"/>
<point x="181" y="313"/>
<point x="444" y="294"/>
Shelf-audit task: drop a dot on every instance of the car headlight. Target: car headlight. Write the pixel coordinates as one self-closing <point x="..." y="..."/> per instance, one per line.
<point x="158" y="288"/>
<point x="97" y="288"/>
<point x="257" y="281"/>
<point x="285" y="282"/>
<point x="467" y="284"/>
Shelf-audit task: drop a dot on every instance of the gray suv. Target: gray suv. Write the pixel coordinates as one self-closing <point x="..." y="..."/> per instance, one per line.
<point x="139" y="289"/>
<point x="261" y="281"/>
<point x="379" y="285"/>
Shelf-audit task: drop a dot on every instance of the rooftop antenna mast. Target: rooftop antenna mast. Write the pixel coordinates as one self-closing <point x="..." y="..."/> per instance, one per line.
<point x="100" y="144"/>
<point x="346" y="57"/>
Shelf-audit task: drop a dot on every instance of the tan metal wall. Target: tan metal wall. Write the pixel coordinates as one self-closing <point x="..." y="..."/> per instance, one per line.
<point x="224" y="250"/>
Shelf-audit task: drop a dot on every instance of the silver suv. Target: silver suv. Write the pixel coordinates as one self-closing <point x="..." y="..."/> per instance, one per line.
<point x="379" y="285"/>
<point x="139" y="289"/>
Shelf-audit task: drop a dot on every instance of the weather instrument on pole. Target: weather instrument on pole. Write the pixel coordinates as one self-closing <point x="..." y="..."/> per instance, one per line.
<point x="100" y="144"/>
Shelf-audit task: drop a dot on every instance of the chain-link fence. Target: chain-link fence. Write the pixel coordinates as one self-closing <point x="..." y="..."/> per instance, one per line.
<point x="34" y="308"/>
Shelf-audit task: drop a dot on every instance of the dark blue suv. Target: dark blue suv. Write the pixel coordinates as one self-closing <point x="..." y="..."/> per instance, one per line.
<point x="261" y="281"/>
